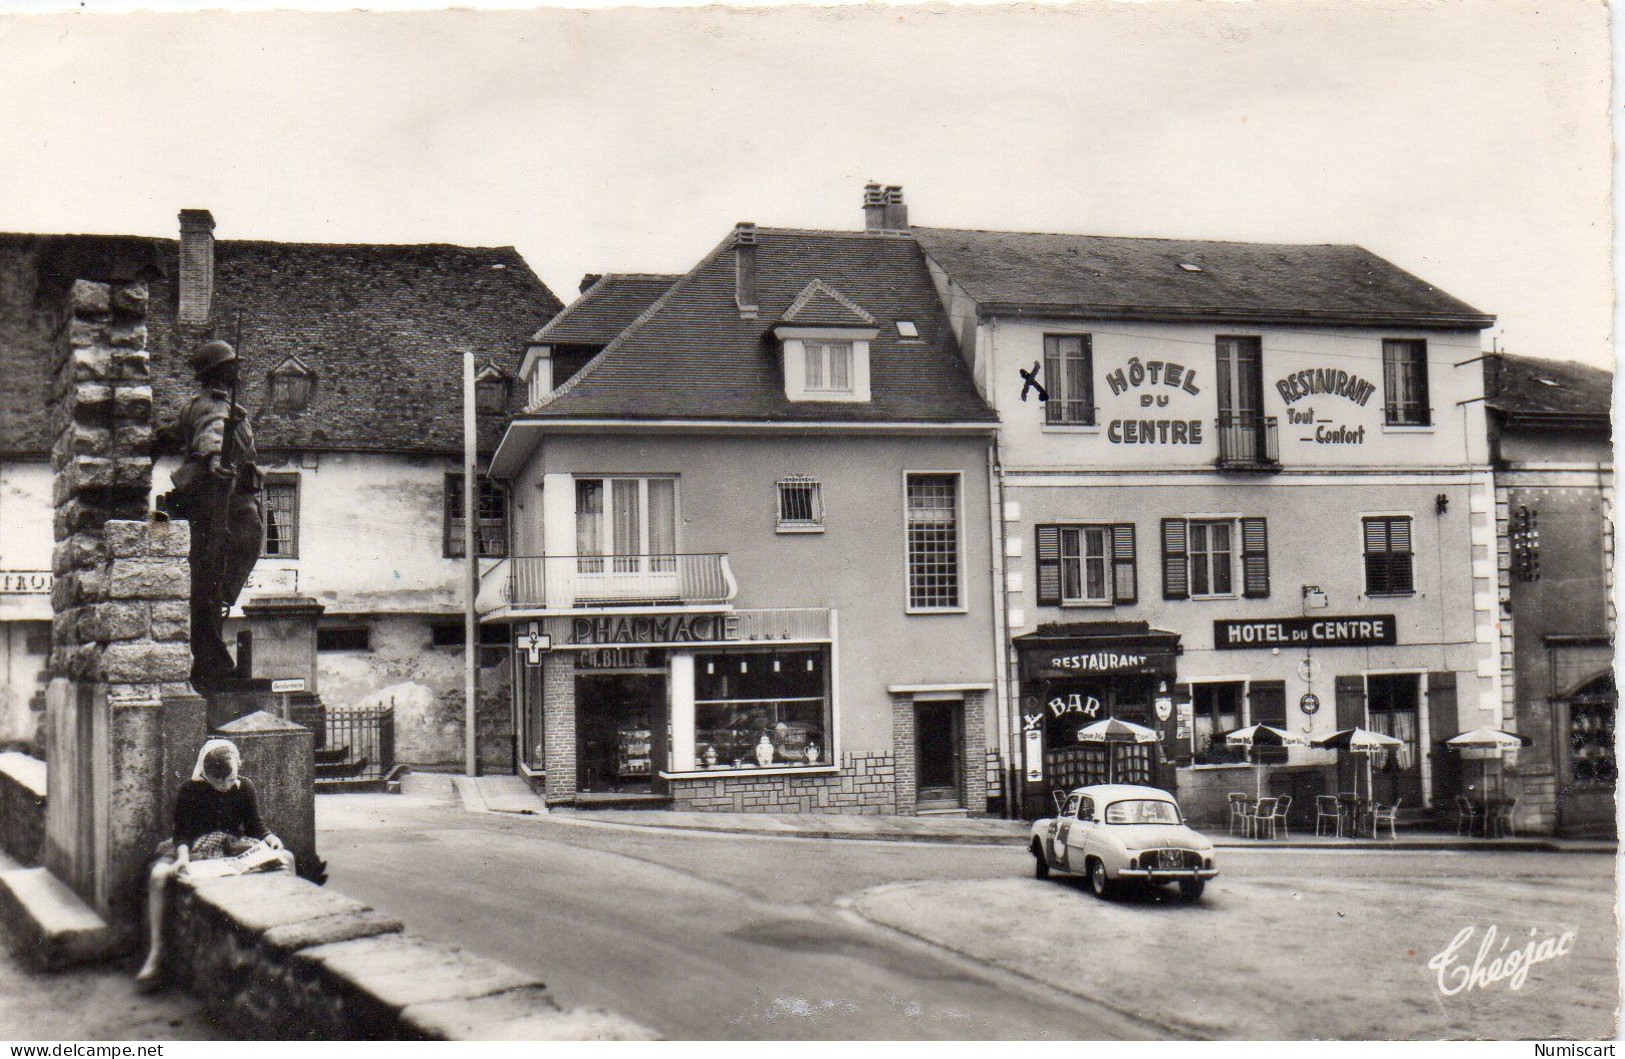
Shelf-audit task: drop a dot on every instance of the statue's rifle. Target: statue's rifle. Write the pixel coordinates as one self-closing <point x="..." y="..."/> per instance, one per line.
<point x="228" y="461"/>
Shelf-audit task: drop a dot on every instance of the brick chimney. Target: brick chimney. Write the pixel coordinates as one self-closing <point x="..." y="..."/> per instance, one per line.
<point x="896" y="210"/>
<point x="197" y="267"/>
<point x="745" y="269"/>
<point x="874" y="207"/>
<point x="589" y="280"/>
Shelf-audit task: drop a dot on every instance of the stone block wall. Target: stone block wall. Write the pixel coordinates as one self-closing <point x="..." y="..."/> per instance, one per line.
<point x="866" y="785"/>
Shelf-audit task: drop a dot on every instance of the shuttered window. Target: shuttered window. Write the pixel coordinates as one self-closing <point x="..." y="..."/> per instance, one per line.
<point x="1069" y="383"/>
<point x="1082" y="565"/>
<point x="1388" y="559"/>
<point x="1199" y="558"/>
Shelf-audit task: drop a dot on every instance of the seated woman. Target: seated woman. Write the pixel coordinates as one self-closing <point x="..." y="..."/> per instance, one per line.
<point x="217" y="814"/>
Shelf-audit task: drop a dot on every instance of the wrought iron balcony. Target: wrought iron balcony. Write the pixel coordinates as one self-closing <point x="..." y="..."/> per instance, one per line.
<point x="1248" y="443"/>
<point x="560" y="583"/>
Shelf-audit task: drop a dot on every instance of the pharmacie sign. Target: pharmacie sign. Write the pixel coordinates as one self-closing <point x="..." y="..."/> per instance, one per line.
<point x="1369" y="630"/>
<point x="654" y="629"/>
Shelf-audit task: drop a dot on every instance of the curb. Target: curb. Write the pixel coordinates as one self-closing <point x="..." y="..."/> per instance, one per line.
<point x="1402" y="845"/>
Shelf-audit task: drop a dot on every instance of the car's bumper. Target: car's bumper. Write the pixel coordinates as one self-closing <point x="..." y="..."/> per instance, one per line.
<point x="1167" y="874"/>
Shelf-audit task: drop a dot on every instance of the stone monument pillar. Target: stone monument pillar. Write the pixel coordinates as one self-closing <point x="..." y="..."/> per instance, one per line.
<point x="282" y="631"/>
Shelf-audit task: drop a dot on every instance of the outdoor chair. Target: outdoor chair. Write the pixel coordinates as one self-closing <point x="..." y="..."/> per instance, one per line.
<point x="1467" y="815"/>
<point x="1282" y="804"/>
<point x="1385" y="814"/>
<point x="1499" y="817"/>
<point x="1262" y="814"/>
<point x="1327" y="808"/>
<point x="1239" y="804"/>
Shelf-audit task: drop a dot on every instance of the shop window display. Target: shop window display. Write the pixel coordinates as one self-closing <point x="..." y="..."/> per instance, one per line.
<point x="761" y="709"/>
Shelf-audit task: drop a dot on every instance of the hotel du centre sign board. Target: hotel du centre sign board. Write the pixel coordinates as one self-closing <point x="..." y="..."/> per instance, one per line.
<point x="1366" y="630"/>
<point x="1317" y="400"/>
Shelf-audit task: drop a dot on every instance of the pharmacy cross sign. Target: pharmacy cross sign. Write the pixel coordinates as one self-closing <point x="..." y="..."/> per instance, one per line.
<point x="534" y="642"/>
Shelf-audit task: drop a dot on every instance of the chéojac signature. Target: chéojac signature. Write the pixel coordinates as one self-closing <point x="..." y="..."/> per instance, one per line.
<point x="1484" y="971"/>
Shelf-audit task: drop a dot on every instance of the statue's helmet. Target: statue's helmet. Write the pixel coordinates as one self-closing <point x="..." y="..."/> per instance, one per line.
<point x="211" y="354"/>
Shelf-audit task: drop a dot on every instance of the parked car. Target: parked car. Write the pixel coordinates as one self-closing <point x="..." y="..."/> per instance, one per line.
<point x="1117" y="833"/>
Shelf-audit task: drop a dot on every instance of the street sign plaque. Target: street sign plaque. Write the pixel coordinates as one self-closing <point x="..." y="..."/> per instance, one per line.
<point x="287" y="686"/>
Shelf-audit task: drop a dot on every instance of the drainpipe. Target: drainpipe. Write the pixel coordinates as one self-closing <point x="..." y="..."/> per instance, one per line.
<point x="1002" y="711"/>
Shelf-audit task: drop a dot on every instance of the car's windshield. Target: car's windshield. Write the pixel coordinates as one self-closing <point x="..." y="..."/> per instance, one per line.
<point x="1142" y="811"/>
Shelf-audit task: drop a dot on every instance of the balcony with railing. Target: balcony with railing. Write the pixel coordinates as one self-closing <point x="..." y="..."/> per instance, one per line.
<point x="1248" y="443"/>
<point x="538" y="584"/>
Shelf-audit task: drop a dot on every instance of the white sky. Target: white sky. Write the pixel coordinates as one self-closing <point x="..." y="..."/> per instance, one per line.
<point x="1467" y="142"/>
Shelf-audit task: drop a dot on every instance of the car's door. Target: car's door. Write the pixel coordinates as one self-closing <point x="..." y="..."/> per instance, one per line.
<point x="1081" y="833"/>
<point x="1060" y="829"/>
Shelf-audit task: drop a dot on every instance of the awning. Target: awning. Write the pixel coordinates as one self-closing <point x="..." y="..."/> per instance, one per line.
<point x="1063" y="650"/>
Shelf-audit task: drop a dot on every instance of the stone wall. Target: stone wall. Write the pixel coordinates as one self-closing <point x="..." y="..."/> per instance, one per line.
<point x="866" y="784"/>
<point x="275" y="957"/>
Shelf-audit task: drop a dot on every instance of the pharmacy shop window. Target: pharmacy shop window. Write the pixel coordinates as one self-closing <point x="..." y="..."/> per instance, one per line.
<point x="762" y="709"/>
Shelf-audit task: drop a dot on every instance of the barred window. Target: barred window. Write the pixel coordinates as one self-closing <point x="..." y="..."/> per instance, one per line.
<point x="492" y="531"/>
<point x="1405" y="382"/>
<point x="1388" y="564"/>
<point x="801" y="504"/>
<point x="933" y="542"/>
<point x="281" y="498"/>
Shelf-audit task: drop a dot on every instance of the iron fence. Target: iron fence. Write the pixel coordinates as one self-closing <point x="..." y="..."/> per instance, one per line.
<point x="355" y="744"/>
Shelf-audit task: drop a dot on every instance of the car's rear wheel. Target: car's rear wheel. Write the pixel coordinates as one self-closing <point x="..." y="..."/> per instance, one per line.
<point x="1040" y="863"/>
<point x="1191" y="889"/>
<point x="1099" y="883"/>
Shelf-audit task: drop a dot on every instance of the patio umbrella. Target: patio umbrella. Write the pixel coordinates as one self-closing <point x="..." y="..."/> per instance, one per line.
<point x="1490" y="742"/>
<point x="1359" y="741"/>
<point x="1110" y="731"/>
<point x="1256" y="735"/>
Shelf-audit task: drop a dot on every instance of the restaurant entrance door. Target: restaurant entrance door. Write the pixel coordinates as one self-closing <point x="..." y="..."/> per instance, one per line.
<point x="621" y="731"/>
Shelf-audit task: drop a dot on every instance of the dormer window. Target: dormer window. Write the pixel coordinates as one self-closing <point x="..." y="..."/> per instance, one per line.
<point x="293" y="385"/>
<point x="824" y="344"/>
<point x="490" y="391"/>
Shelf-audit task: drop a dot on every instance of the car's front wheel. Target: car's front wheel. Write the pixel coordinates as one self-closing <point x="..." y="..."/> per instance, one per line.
<point x="1191" y="889"/>
<point x="1040" y="863"/>
<point x="1100" y="883"/>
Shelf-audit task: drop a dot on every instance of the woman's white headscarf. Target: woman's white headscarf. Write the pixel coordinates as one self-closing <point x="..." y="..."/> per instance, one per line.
<point x="215" y="744"/>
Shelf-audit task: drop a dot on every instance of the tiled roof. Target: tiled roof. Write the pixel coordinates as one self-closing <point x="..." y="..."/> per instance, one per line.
<point x="1528" y="387"/>
<point x="694" y="356"/>
<point x="383" y="327"/>
<point x="605" y="309"/>
<point x="1022" y="272"/>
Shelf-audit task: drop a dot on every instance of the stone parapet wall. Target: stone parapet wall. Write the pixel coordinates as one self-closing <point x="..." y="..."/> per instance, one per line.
<point x="276" y="957"/>
<point x="865" y="785"/>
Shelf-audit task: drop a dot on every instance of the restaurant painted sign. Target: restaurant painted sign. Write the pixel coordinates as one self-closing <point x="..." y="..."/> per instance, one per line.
<point x="1372" y="630"/>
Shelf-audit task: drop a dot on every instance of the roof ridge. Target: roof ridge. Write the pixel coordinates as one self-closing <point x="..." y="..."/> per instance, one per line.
<point x="1131" y="238"/>
<point x="644" y="317"/>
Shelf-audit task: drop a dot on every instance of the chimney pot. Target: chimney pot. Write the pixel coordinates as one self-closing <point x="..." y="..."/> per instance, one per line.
<point x="196" y="301"/>
<point x="896" y="209"/>
<point x="874" y="207"/>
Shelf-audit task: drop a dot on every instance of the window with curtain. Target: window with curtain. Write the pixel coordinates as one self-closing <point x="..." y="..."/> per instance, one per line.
<point x="829" y="366"/>
<point x="1212" y="558"/>
<point x="1069" y="383"/>
<point x="1405" y="382"/>
<point x="630" y="523"/>
<point x="1392" y="704"/>
<point x="1084" y="564"/>
<point x="281" y="499"/>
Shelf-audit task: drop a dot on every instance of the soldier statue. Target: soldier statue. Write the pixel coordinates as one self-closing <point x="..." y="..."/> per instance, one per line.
<point x="217" y="489"/>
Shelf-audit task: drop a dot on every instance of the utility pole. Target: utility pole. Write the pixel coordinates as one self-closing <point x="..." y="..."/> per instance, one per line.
<point x="471" y="559"/>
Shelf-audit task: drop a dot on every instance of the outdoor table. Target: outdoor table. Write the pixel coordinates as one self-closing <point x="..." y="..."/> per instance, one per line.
<point x="1353" y="808"/>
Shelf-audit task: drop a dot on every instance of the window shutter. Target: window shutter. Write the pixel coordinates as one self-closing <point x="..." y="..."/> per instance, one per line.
<point x="1178" y="750"/>
<point x="1255" y="559"/>
<point x="1175" y="561"/>
<point x="1399" y="558"/>
<point x="1442" y="720"/>
<point x="1124" y="588"/>
<point x="1049" y="566"/>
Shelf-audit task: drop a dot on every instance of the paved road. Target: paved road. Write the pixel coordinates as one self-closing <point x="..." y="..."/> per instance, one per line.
<point x="719" y="936"/>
